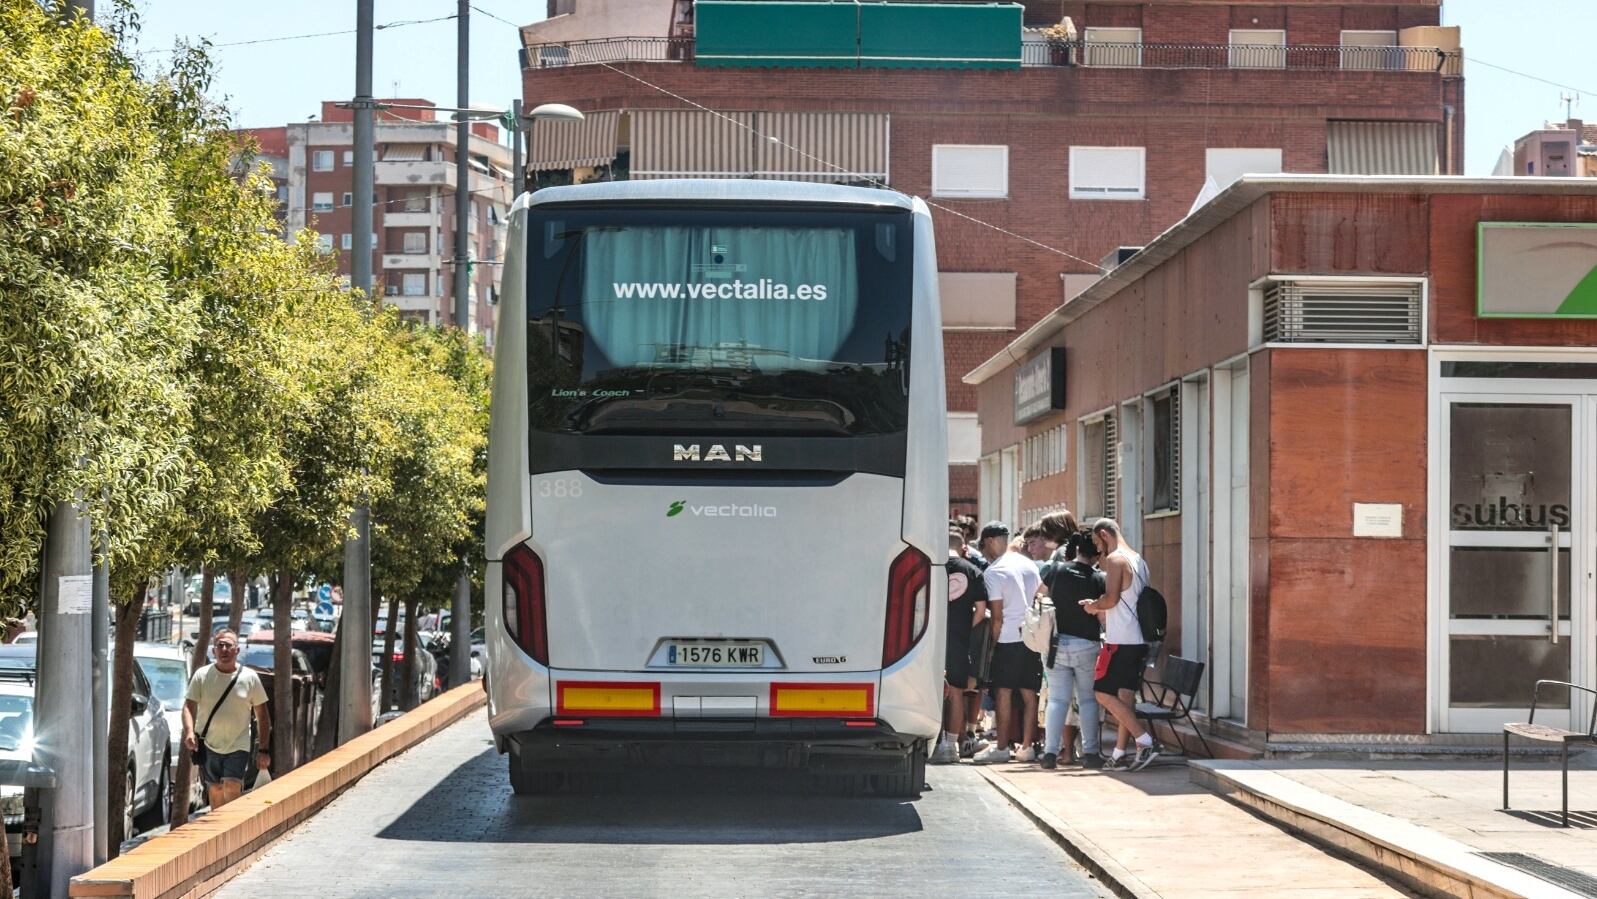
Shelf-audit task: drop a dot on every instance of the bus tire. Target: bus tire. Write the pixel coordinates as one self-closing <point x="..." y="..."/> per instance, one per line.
<point x="905" y="784"/>
<point x="526" y="782"/>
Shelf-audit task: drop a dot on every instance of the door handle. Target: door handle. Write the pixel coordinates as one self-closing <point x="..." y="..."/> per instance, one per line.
<point x="1552" y="609"/>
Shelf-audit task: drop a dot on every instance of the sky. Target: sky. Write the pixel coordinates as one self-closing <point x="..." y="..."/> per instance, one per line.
<point x="279" y="81"/>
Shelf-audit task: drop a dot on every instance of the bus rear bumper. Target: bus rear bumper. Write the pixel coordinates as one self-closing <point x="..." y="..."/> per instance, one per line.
<point x="816" y="744"/>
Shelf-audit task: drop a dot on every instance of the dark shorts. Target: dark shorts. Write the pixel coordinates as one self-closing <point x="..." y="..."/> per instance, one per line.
<point x="1124" y="671"/>
<point x="956" y="663"/>
<point x="981" y="653"/>
<point x="1016" y="667"/>
<point x="229" y="766"/>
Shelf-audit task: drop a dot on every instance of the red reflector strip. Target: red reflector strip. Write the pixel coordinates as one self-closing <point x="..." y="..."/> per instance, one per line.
<point x="859" y="723"/>
<point x="609" y="699"/>
<point x="568" y="722"/>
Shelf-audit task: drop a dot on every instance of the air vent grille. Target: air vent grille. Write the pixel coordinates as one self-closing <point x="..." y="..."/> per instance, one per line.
<point x="1306" y="312"/>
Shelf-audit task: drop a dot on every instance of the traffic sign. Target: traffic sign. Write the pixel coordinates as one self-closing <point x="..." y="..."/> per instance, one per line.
<point x="324" y="592"/>
<point x="324" y="609"/>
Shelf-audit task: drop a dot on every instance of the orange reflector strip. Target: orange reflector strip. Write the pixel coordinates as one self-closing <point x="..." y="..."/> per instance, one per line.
<point x="600" y="698"/>
<point x="822" y="700"/>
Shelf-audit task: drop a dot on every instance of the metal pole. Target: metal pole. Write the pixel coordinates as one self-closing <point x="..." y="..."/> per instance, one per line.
<point x="460" y="615"/>
<point x="463" y="297"/>
<point x="66" y="828"/>
<point x="100" y="637"/>
<point x="518" y="165"/>
<point x="354" y="691"/>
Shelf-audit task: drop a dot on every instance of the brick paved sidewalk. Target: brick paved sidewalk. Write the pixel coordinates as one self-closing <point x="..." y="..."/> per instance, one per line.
<point x="1154" y="833"/>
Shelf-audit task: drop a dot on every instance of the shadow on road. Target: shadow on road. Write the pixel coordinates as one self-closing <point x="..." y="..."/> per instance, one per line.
<point x="669" y="807"/>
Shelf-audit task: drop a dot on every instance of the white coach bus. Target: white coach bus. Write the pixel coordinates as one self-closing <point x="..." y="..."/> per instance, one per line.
<point x="717" y="483"/>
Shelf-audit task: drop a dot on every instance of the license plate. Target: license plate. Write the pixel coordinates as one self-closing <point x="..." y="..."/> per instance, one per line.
<point x="735" y="655"/>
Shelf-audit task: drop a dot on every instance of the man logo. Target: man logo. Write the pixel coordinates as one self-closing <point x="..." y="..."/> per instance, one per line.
<point x="675" y="510"/>
<point x="716" y="453"/>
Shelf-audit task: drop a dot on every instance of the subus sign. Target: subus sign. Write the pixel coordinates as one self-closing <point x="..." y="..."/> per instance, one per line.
<point x="1040" y="385"/>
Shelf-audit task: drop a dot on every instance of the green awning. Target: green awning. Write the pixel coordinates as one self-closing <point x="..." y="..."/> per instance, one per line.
<point x="769" y="33"/>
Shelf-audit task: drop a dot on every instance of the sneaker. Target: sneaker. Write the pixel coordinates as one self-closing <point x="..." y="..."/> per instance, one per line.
<point x="1092" y="760"/>
<point x="946" y="753"/>
<point x="991" y="756"/>
<point x="1026" y="755"/>
<point x="1050" y="760"/>
<point x="970" y="747"/>
<point x="1110" y="763"/>
<point x="1145" y="755"/>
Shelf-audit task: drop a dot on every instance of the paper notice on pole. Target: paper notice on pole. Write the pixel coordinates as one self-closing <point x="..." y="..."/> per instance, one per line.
<point x="75" y="595"/>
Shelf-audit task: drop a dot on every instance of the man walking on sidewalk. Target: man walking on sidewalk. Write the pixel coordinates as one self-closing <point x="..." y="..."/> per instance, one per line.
<point x="1120" y="662"/>
<point x="1012" y="580"/>
<point x="226" y="693"/>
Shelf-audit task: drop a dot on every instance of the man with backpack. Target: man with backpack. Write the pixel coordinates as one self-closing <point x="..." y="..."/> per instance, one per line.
<point x="1125" y="650"/>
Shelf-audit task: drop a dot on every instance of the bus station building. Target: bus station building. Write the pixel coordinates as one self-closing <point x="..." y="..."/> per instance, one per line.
<point x="1352" y="424"/>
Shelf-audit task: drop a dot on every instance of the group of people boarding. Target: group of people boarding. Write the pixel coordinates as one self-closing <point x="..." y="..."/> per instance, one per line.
<point x="1094" y="661"/>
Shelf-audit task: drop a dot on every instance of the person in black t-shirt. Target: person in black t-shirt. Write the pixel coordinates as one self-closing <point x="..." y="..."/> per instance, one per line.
<point x="1075" y="655"/>
<point x="967" y="604"/>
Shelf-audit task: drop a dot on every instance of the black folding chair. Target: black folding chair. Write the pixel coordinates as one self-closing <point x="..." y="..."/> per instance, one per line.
<point x="1542" y="733"/>
<point x="1170" y="699"/>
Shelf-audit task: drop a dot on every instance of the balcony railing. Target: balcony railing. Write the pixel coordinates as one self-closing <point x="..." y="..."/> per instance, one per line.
<point x="1086" y="54"/>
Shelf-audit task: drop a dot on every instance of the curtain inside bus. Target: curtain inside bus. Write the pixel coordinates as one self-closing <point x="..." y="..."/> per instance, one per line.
<point x="769" y="299"/>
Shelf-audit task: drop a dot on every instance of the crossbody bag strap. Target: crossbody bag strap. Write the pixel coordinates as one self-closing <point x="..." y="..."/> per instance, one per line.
<point x="219" y="700"/>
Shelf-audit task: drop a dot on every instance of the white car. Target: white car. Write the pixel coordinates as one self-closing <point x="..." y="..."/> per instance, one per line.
<point x="149" y="786"/>
<point x="26" y="637"/>
<point x="167" y="668"/>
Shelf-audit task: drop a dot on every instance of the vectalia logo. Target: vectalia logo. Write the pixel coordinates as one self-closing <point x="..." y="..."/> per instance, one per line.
<point x="731" y="510"/>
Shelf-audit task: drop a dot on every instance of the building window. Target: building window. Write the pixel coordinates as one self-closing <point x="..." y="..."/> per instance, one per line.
<point x="1371" y="50"/>
<point x="415" y="284"/>
<point x="1044" y="454"/>
<point x="977" y="300"/>
<point x="416" y="201"/>
<point x="349" y="199"/>
<point x="970" y="171"/>
<point x="1098" y="467"/>
<point x="322" y="161"/>
<point x="349" y="157"/>
<point x="1223" y="165"/>
<point x="1257" y="48"/>
<point x="1163" y="420"/>
<point x="282" y="193"/>
<point x="322" y="201"/>
<point x="324" y="243"/>
<point x="415" y="242"/>
<point x="1107" y="173"/>
<point x="345" y="241"/>
<point x="1112" y="47"/>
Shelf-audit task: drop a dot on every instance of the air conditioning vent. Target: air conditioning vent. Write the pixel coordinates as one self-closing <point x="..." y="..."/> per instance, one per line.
<point x="1323" y="312"/>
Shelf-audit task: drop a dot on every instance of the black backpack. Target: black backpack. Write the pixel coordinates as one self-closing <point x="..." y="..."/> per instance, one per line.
<point x="1152" y="615"/>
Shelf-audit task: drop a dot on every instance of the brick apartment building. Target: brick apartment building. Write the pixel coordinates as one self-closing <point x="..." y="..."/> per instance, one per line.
<point x="1098" y="134"/>
<point x="413" y="194"/>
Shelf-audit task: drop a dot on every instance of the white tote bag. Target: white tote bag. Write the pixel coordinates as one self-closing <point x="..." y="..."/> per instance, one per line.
<point x="1037" y="629"/>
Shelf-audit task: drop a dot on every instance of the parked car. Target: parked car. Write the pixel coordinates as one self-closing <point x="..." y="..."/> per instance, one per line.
<point x="149" y="784"/>
<point x="424" y="672"/>
<point x="168" y="669"/>
<point x="26" y="637"/>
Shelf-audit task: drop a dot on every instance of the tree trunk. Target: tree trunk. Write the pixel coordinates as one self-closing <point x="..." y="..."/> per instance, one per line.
<point x="407" y="687"/>
<point x="239" y="581"/>
<point x="390" y="693"/>
<point x="117" y="750"/>
<point x="332" y="697"/>
<point x="183" y="780"/>
<point x="283" y="675"/>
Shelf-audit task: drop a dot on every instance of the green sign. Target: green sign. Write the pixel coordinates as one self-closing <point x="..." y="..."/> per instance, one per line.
<point x="1536" y="270"/>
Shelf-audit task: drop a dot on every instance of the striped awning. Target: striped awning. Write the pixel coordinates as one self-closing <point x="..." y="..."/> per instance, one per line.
<point x="558" y="144"/>
<point x="404" y="153"/>
<point x="804" y="146"/>
<point x="1383" y="148"/>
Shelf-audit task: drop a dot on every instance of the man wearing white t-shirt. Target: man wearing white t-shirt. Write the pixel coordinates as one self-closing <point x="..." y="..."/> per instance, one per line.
<point x="1012" y="580"/>
<point x="221" y="700"/>
<point x="1120" y="661"/>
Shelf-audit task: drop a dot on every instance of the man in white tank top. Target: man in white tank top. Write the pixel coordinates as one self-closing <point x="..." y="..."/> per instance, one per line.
<point x="1120" y="662"/>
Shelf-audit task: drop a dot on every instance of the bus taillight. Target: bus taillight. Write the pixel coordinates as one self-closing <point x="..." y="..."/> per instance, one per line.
<point x="908" y="596"/>
<point x="525" y="619"/>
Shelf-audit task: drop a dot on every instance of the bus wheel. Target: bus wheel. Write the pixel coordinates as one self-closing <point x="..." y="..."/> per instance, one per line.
<point x="525" y="782"/>
<point x="907" y="783"/>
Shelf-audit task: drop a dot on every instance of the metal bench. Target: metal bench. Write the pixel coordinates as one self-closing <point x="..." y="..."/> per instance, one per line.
<point x="1542" y="733"/>
<point x="1170" y="699"/>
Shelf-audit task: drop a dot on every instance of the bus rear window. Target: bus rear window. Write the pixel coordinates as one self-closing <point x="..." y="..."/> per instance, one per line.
<point x="722" y="321"/>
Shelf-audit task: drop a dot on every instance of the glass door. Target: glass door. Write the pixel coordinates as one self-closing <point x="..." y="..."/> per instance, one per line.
<point x="1514" y="507"/>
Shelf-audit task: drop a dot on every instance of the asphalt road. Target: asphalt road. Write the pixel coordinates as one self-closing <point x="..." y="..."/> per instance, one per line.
<point x="441" y="821"/>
